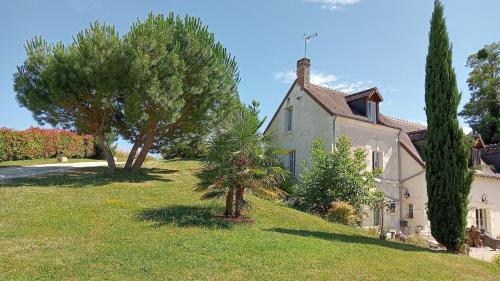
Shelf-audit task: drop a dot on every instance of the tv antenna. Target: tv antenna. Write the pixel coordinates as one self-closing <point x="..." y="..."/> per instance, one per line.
<point x="307" y="37"/>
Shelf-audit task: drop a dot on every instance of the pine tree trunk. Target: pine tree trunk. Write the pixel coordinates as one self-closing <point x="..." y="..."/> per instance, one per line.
<point x="133" y="153"/>
<point x="107" y="152"/>
<point x="146" y="147"/>
<point x="240" y="193"/>
<point x="228" y="212"/>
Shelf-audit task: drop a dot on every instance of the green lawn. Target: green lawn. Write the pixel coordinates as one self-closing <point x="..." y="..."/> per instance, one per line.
<point x="90" y="225"/>
<point x="19" y="163"/>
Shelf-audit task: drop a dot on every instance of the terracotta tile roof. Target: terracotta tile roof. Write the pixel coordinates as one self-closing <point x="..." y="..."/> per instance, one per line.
<point x="362" y="94"/>
<point x="408" y="126"/>
<point x="418" y="135"/>
<point x="335" y="102"/>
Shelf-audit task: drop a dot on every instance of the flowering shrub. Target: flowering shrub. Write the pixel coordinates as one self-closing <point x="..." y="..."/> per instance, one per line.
<point x="36" y="143"/>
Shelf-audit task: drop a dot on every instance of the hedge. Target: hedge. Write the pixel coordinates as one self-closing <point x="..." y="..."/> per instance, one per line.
<point x="38" y="143"/>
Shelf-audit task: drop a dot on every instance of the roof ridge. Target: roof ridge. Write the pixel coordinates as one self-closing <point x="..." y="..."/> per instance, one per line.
<point x="363" y="91"/>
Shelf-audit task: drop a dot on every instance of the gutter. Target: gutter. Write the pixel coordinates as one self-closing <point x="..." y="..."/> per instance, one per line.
<point x="333" y="134"/>
<point x="400" y="185"/>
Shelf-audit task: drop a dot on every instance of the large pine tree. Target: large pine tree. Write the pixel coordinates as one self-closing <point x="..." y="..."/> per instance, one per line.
<point x="447" y="174"/>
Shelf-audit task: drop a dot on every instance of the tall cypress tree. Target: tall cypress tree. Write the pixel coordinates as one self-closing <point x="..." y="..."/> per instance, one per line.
<point x="447" y="174"/>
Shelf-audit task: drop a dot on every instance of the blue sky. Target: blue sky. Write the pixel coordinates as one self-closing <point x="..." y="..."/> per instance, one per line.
<point x="361" y="43"/>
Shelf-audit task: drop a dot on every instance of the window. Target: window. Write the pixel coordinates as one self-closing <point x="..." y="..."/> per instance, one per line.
<point x="291" y="162"/>
<point x="376" y="216"/>
<point x="371" y="111"/>
<point x="391" y="208"/>
<point x="377" y="160"/>
<point x="481" y="221"/>
<point x="288" y="119"/>
<point x="410" y="211"/>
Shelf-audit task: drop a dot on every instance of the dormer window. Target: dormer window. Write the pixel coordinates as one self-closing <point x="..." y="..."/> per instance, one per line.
<point x="371" y="111"/>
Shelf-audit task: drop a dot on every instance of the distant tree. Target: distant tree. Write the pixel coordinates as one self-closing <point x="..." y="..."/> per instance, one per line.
<point x="482" y="112"/>
<point x="74" y="86"/>
<point x="447" y="174"/>
<point x="179" y="74"/>
<point x="338" y="175"/>
<point x="241" y="159"/>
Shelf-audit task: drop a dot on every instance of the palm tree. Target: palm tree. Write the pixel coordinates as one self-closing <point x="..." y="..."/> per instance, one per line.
<point x="241" y="159"/>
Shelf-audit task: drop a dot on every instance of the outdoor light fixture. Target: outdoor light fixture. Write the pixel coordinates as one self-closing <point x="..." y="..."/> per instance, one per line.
<point x="484" y="198"/>
<point x="406" y="194"/>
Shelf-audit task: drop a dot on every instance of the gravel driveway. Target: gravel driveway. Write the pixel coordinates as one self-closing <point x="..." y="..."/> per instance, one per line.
<point x="28" y="171"/>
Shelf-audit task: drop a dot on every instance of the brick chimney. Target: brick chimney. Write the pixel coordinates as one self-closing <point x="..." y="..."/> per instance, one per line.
<point x="303" y="71"/>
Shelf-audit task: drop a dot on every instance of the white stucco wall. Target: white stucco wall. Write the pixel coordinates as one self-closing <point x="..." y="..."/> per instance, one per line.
<point x="418" y="197"/>
<point x="372" y="137"/>
<point x="413" y="180"/>
<point x="491" y="188"/>
<point x="310" y="120"/>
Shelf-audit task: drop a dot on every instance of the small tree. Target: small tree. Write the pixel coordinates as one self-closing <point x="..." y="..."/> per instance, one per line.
<point x="75" y="86"/>
<point x="338" y="175"/>
<point x="447" y="175"/>
<point x="240" y="159"/>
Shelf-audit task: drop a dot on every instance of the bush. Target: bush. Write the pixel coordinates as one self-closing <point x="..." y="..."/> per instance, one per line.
<point x="417" y="240"/>
<point x="37" y="143"/>
<point x="343" y="213"/>
<point x="338" y="175"/>
<point x="184" y="149"/>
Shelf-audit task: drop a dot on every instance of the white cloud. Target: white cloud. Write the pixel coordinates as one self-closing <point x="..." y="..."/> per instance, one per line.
<point x="326" y="80"/>
<point x="333" y="4"/>
<point x="323" y="79"/>
<point x="285" y="76"/>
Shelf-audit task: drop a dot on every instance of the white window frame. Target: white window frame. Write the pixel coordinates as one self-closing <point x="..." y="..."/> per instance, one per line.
<point x="288" y="118"/>
<point x="371" y="111"/>
<point x="410" y="211"/>
<point x="481" y="218"/>
<point x="377" y="160"/>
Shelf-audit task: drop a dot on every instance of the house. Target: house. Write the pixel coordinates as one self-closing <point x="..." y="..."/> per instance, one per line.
<point x="309" y="111"/>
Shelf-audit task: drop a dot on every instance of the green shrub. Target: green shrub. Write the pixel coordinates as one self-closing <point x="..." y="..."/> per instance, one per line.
<point x="343" y="213"/>
<point x="338" y="175"/>
<point x="38" y="143"/>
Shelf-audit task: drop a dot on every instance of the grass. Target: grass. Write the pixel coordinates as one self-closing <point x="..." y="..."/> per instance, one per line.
<point x="21" y="163"/>
<point x="90" y="225"/>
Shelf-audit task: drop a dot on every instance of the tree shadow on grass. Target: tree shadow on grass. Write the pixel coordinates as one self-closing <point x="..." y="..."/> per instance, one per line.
<point x="184" y="216"/>
<point x="88" y="177"/>
<point x="330" y="236"/>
